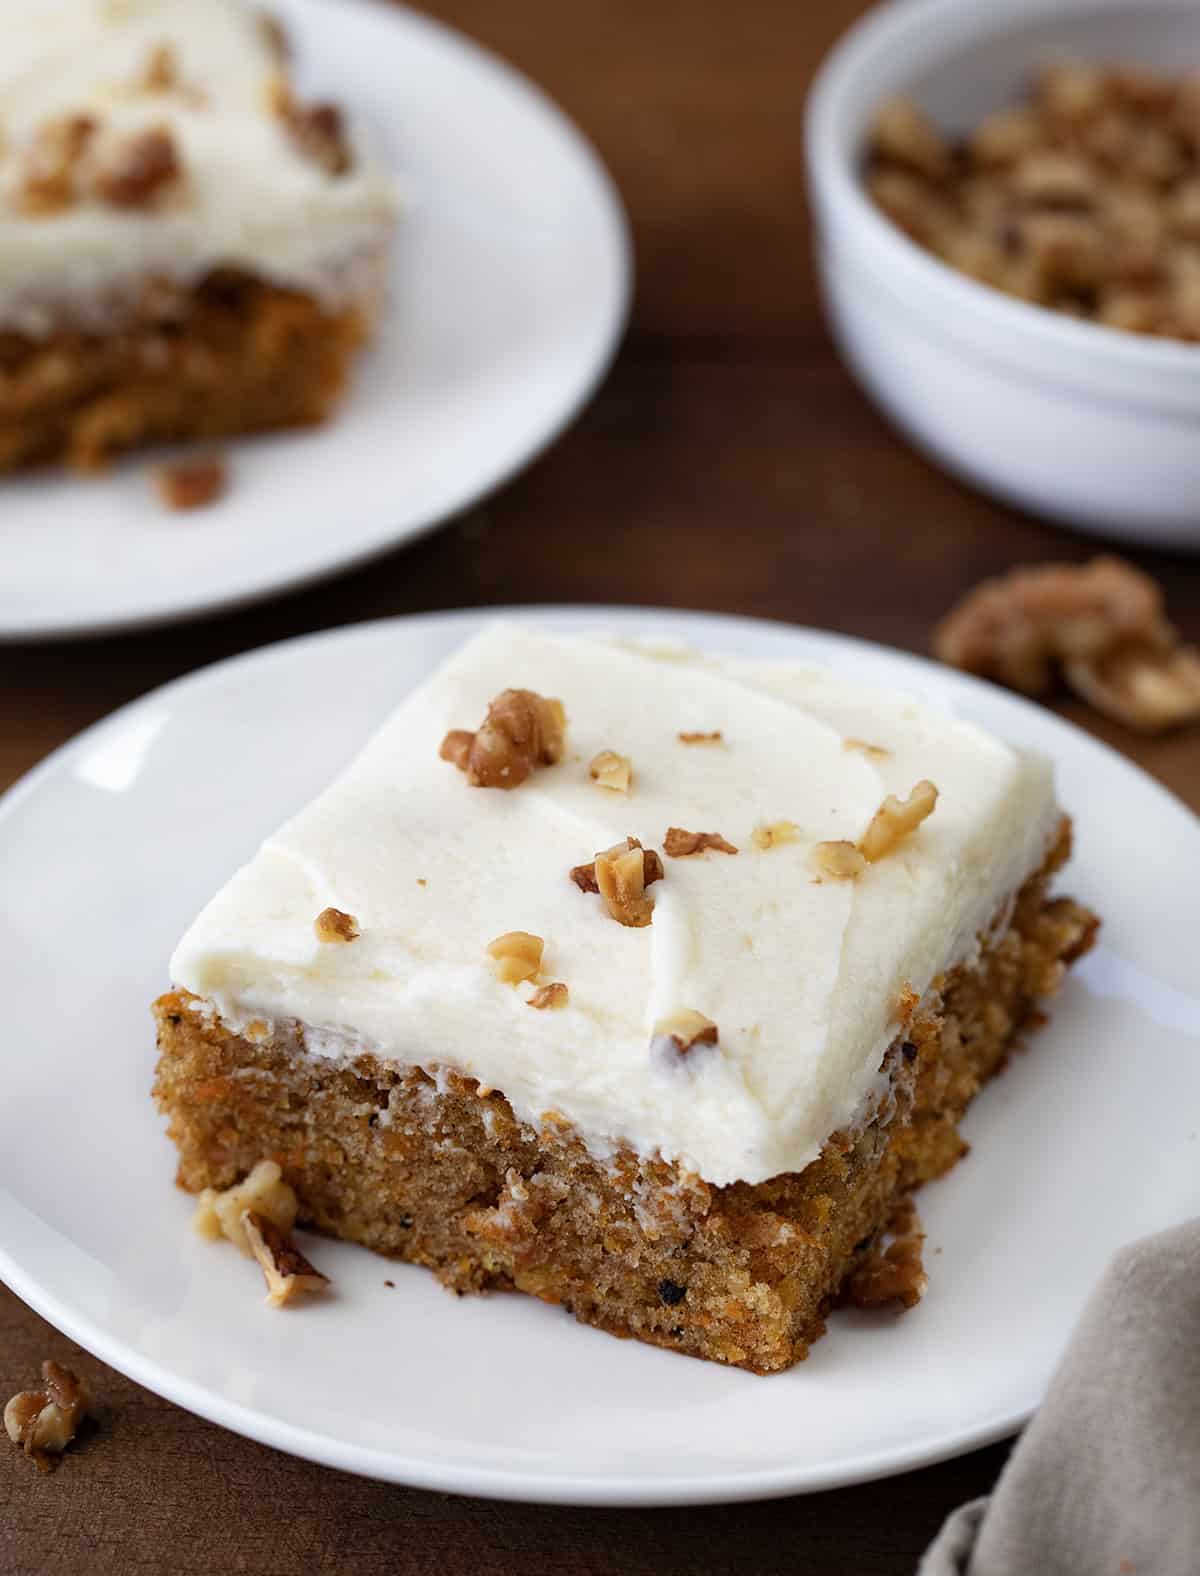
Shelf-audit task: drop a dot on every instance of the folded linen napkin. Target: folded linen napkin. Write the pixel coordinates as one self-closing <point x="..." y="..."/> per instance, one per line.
<point x="1106" y="1478"/>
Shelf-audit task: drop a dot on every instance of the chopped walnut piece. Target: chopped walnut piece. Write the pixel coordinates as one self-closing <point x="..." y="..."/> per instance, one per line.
<point x="894" y="820"/>
<point x="680" y="844"/>
<point x="679" y="1034"/>
<point x="192" y="483"/>
<point x="160" y="75"/>
<point x="331" y="924"/>
<point x="1081" y="199"/>
<point x="774" y="833"/>
<point x="895" y="1273"/>
<point x="520" y="732"/>
<point x="875" y="752"/>
<point x="552" y="995"/>
<point x="140" y="170"/>
<point x="610" y="770"/>
<point x="285" y="1269"/>
<point x="620" y="875"/>
<point x="1140" y="683"/>
<point x="902" y="133"/>
<point x="274" y="34"/>
<point x="584" y="876"/>
<point x="264" y="1192"/>
<point x="47" y="183"/>
<point x="1101" y="624"/>
<point x="716" y="737"/>
<point x="320" y="134"/>
<point x="840" y="860"/>
<point x="516" y="956"/>
<point x="44" y="1422"/>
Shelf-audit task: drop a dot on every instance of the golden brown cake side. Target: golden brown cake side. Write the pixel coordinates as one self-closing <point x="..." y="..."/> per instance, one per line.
<point x="232" y="355"/>
<point x="438" y="1172"/>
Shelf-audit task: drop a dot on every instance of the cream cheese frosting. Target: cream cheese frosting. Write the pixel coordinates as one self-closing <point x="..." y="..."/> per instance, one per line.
<point x="250" y="198"/>
<point x="803" y="977"/>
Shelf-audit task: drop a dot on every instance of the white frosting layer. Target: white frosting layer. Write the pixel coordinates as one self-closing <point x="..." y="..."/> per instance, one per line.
<point x="251" y="199"/>
<point x="802" y="977"/>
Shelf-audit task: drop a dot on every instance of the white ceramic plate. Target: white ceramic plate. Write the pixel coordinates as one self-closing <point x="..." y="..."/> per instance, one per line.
<point x="110" y="847"/>
<point x="510" y="291"/>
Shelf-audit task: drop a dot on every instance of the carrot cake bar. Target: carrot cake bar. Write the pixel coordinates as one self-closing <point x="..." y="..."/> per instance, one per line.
<point x="190" y="250"/>
<point x="647" y="983"/>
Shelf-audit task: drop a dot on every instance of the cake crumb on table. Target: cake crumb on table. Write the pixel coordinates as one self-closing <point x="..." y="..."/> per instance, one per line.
<point x="192" y="483"/>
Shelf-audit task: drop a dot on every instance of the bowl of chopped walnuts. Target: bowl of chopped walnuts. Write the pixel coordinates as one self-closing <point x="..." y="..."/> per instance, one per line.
<point x="1007" y="212"/>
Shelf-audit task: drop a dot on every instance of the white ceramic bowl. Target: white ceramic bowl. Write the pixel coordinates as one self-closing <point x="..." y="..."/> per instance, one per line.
<point x="1091" y="426"/>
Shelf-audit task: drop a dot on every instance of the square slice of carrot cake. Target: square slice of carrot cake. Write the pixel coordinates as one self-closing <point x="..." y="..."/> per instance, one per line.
<point x="647" y="983"/>
<point x="189" y="249"/>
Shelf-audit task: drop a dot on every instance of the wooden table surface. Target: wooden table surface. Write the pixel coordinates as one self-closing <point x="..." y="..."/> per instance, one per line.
<point x="728" y="463"/>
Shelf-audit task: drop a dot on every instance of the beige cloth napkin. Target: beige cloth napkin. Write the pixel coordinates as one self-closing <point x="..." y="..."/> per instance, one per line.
<point x="1106" y="1478"/>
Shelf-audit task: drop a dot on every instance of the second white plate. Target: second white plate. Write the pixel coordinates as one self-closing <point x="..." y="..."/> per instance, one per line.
<point x="510" y="290"/>
<point x="110" y="847"/>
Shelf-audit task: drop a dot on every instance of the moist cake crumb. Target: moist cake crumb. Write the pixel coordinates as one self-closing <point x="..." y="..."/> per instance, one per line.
<point x="192" y="483"/>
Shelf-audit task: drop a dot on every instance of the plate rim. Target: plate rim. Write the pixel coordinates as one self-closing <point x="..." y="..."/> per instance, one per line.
<point x="619" y="243"/>
<point x="523" y="1486"/>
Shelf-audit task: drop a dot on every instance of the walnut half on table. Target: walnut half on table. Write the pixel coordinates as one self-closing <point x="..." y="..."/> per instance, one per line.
<point x="1100" y="625"/>
<point x="44" y="1422"/>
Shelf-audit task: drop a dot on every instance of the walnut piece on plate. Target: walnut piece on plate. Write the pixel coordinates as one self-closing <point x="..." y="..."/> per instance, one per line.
<point x="1101" y="625"/>
<point x="285" y="1269"/>
<point x="263" y="1191"/>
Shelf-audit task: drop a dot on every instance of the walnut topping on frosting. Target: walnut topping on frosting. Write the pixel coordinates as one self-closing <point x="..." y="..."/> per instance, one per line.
<point x="621" y="875"/>
<point x="274" y="35"/>
<point x="894" y="820"/>
<point x="319" y="132"/>
<point x="160" y="75"/>
<point x="774" y="833"/>
<point x="680" y="844"/>
<point x="140" y="170"/>
<point x="331" y="924"/>
<point x="48" y="182"/>
<point x="610" y="770"/>
<point x="716" y="737"/>
<point x="841" y="860"/>
<point x="520" y="732"/>
<point x="875" y="752"/>
<point x="44" y="1422"/>
<point x="1101" y="624"/>
<point x="682" y="1032"/>
<point x="552" y="995"/>
<point x="264" y="1192"/>
<point x="586" y="879"/>
<point x="285" y="1269"/>
<point x="516" y="956"/>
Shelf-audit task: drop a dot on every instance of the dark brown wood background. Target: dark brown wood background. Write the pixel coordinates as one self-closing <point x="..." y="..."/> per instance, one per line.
<point x="728" y="463"/>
